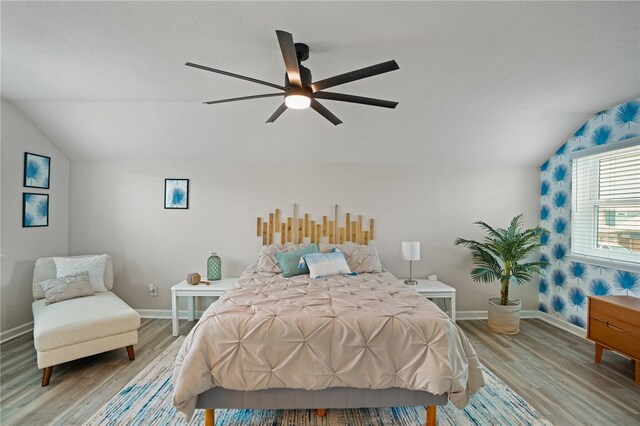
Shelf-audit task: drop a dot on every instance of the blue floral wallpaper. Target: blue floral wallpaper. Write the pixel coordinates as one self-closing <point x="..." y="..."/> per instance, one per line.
<point x="565" y="284"/>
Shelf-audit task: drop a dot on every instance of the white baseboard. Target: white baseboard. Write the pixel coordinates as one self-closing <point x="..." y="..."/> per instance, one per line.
<point x="483" y="315"/>
<point x="5" y="336"/>
<point x="555" y="321"/>
<point x="165" y="313"/>
<point x="460" y="316"/>
<point x="566" y="326"/>
<point x="470" y="315"/>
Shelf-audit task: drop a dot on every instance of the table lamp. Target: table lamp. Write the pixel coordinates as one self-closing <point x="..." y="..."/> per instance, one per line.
<point x="411" y="252"/>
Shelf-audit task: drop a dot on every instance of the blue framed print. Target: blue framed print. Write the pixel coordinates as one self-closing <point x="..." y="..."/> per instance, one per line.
<point x="176" y="193"/>
<point x="37" y="170"/>
<point x="35" y="210"/>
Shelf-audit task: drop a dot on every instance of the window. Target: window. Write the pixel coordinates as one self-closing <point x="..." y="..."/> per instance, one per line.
<point x="605" y="212"/>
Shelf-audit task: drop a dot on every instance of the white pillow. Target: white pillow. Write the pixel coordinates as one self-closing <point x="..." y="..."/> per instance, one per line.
<point x="326" y="264"/>
<point x="94" y="265"/>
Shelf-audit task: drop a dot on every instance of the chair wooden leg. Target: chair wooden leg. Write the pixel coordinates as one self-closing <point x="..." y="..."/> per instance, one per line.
<point x="209" y="417"/>
<point x="46" y="375"/>
<point x="131" y="353"/>
<point x="431" y="415"/>
<point x="321" y="412"/>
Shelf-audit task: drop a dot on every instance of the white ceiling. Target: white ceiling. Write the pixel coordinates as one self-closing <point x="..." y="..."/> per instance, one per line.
<point x="495" y="84"/>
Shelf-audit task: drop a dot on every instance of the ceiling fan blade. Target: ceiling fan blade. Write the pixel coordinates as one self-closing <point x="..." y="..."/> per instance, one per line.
<point x="290" y="58"/>
<point x="355" y="99"/>
<point x="325" y="112"/>
<point x="282" y="108"/>
<point x="230" y="74"/>
<point x="268" y="95"/>
<point x="355" y="75"/>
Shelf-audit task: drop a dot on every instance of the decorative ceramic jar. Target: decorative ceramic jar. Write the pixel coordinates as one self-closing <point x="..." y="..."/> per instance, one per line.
<point x="214" y="267"/>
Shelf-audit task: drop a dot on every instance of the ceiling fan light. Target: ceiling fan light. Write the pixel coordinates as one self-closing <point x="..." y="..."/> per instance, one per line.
<point x="297" y="101"/>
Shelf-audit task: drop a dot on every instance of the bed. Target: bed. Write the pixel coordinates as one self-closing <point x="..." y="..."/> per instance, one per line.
<point x="345" y="341"/>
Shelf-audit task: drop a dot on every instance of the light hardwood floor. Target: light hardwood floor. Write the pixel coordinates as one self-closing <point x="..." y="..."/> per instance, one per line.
<point x="550" y="368"/>
<point x="555" y="372"/>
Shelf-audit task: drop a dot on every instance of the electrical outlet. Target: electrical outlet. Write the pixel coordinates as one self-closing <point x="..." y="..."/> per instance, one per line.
<point x="153" y="290"/>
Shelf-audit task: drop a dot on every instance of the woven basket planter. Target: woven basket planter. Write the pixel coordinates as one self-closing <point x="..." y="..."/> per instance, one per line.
<point x="504" y="319"/>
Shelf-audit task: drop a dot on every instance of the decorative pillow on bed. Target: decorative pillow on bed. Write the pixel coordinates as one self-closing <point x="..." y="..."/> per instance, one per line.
<point x="361" y="258"/>
<point x="65" y="288"/>
<point x="288" y="261"/>
<point x="94" y="265"/>
<point x="267" y="260"/>
<point x="327" y="264"/>
<point x="326" y="247"/>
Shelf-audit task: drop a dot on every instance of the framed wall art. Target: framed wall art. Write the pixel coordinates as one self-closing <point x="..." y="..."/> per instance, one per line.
<point x="176" y="193"/>
<point x="35" y="210"/>
<point x="37" y="170"/>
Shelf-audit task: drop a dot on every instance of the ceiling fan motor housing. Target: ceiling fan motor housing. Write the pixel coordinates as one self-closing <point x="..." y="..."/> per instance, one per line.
<point x="302" y="53"/>
<point x="305" y="76"/>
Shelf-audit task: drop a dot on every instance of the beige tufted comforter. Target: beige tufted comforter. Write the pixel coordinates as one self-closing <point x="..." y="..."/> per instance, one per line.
<point x="365" y="331"/>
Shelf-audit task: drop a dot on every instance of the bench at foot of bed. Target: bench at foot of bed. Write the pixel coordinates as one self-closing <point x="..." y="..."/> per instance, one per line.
<point x="210" y="415"/>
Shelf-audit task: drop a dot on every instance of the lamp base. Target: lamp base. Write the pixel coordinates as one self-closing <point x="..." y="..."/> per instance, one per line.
<point x="411" y="282"/>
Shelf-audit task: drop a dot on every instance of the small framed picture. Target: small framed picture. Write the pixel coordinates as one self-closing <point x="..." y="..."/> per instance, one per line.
<point x="35" y="210"/>
<point x="176" y="193"/>
<point x="37" y="170"/>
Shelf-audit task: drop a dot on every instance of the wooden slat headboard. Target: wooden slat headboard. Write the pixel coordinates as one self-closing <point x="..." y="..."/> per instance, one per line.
<point x="298" y="229"/>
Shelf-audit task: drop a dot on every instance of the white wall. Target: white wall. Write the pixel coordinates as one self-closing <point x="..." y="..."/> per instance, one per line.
<point x="20" y="246"/>
<point x="117" y="207"/>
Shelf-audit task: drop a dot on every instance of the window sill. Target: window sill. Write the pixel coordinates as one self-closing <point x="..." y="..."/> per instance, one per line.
<point x="612" y="264"/>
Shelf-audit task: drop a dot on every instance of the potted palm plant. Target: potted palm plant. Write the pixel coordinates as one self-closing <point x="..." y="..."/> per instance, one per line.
<point x="502" y="257"/>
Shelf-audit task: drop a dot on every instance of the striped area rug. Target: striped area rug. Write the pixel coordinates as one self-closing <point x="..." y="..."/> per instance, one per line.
<point x="146" y="400"/>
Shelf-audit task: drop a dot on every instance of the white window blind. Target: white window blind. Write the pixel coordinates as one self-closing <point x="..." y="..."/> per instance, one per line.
<point x="605" y="212"/>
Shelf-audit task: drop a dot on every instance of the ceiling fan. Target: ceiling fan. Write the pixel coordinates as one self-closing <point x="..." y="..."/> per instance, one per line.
<point x="299" y="91"/>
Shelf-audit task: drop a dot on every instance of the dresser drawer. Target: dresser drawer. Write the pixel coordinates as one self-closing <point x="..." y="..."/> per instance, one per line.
<point x="616" y="308"/>
<point x="614" y="335"/>
<point x="626" y="324"/>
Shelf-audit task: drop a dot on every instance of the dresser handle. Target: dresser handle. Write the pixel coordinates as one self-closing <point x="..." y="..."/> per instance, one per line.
<point x="615" y="327"/>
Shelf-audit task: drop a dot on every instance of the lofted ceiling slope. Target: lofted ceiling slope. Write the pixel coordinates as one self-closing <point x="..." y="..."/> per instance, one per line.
<point x="480" y="83"/>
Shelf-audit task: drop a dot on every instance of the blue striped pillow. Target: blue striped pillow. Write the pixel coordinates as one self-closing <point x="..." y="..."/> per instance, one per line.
<point x="326" y="264"/>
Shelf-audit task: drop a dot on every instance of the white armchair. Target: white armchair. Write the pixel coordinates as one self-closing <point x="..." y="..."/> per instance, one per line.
<point x="79" y="327"/>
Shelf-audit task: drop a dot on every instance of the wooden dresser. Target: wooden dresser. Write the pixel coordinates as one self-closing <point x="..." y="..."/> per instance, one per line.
<point x="614" y="323"/>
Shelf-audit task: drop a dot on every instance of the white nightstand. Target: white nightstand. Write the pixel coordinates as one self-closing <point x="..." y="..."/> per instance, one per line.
<point x="437" y="290"/>
<point x="215" y="289"/>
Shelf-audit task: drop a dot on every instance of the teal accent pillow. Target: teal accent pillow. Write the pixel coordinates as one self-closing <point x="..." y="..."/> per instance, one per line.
<point x="288" y="260"/>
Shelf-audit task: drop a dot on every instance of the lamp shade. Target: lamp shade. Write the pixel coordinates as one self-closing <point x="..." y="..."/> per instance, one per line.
<point x="411" y="250"/>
